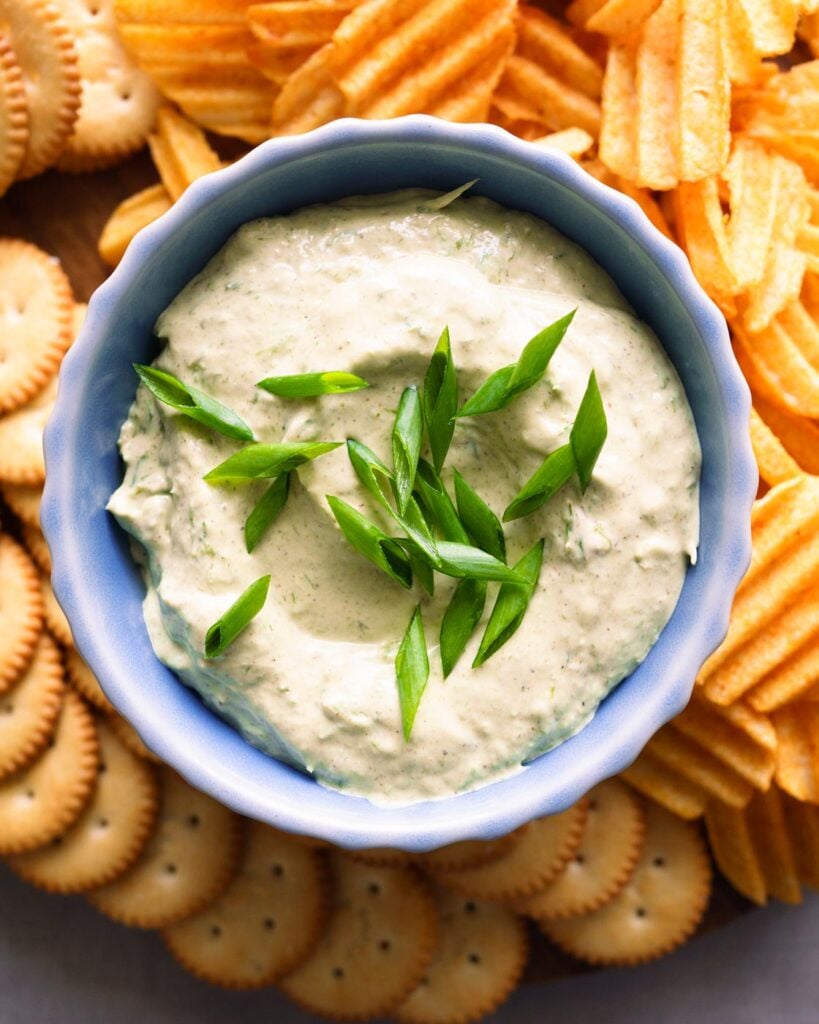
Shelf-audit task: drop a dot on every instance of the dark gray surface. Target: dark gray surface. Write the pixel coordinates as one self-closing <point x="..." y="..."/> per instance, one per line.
<point x="62" y="963"/>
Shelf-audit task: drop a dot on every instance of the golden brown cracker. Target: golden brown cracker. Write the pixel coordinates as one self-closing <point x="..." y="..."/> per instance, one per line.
<point x="21" y="611"/>
<point x="543" y="849"/>
<point x="46" y="797"/>
<point x="188" y="862"/>
<point x="37" y="547"/>
<point x="13" y="115"/>
<point x="36" y="308"/>
<point x="109" y="834"/>
<point x="657" y="909"/>
<point x="24" y="501"/>
<point x="132" y="740"/>
<point x="85" y="682"/>
<point x="382" y="855"/>
<point x="612" y="840"/>
<point x="55" y="620"/>
<point x="375" y="947"/>
<point x="45" y="52"/>
<point x="21" y="439"/>
<point x="265" y="923"/>
<point x="469" y="853"/>
<point x="118" y="101"/>
<point x="480" y="957"/>
<point x="29" y="710"/>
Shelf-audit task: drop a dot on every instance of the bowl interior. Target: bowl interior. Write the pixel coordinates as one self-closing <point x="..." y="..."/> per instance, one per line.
<point x="101" y="589"/>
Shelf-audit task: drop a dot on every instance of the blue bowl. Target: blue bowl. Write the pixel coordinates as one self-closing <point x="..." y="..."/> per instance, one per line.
<point x="100" y="588"/>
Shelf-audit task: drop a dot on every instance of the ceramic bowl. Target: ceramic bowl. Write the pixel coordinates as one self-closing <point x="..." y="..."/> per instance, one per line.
<point x="100" y="588"/>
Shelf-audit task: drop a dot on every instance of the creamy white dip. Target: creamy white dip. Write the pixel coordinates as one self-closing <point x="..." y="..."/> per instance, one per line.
<point x="366" y="286"/>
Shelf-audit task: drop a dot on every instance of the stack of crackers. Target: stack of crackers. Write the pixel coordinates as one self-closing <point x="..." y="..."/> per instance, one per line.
<point x="678" y="104"/>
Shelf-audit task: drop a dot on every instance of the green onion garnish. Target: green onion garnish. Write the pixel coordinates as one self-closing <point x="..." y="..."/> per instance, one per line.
<point x="555" y="471"/>
<point x="411" y="671"/>
<point x="498" y="390"/>
<point x="589" y="432"/>
<point x="510" y="605"/>
<point x="311" y="385"/>
<point x="433" y="497"/>
<point x="262" y="461"/>
<point x="195" y="404"/>
<point x="440" y="400"/>
<point x="407" y="434"/>
<point x="462" y="615"/>
<point x="371" y="541"/>
<point x="441" y="202"/>
<point x="481" y="523"/>
<point x="371" y="471"/>
<point x="266" y="510"/>
<point x="466" y="562"/>
<point x="225" y="630"/>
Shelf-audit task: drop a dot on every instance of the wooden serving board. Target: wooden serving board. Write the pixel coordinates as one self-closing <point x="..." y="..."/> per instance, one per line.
<point x="64" y="214"/>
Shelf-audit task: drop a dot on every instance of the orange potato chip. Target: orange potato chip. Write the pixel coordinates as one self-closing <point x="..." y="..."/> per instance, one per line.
<point x="703" y="89"/>
<point x="180" y="151"/>
<point x="797" y="676"/>
<point x="658" y="101"/>
<point x="775" y="464"/>
<point x="132" y="214"/>
<point x="620" y="17"/>
<point x="666" y="787"/>
<point x="618" y="136"/>
<point x="309" y="98"/>
<point x="788" y="375"/>
<point x="797" y="759"/>
<point x="572" y="141"/>
<point x="799" y="435"/>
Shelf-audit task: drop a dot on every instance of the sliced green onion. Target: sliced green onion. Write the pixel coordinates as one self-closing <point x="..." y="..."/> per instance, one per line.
<point x="441" y="513"/>
<point x="407" y="434"/>
<point x="441" y="202"/>
<point x="510" y="605"/>
<point x="462" y="615"/>
<point x="411" y="671"/>
<point x="371" y="541"/>
<point x="466" y="562"/>
<point x="245" y="608"/>
<point x="195" y="404"/>
<point x="440" y="400"/>
<point x="370" y="470"/>
<point x="589" y="432"/>
<point x="311" y="385"/>
<point x="266" y="510"/>
<point x="481" y="523"/>
<point x="262" y="461"/>
<point x="555" y="471"/>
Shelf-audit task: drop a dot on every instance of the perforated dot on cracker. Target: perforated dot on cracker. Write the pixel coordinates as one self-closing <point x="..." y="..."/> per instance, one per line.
<point x="265" y="923"/>
<point x="36" y="310"/>
<point x="13" y="116"/>
<point x="611" y="844"/>
<point x="110" y="833"/>
<point x="479" y="959"/>
<point x="21" y="611"/>
<point x="44" y="798"/>
<point x="657" y="909"/>
<point x="188" y="862"/>
<point x="376" y="946"/>
<point x="542" y="850"/>
<point x="48" y="61"/>
<point x="29" y="710"/>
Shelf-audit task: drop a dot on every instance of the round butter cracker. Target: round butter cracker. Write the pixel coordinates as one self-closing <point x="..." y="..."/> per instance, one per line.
<point x="21" y="611"/>
<point x="36" y="313"/>
<point x="21" y="439"/>
<point x="46" y="797"/>
<point x="382" y="855"/>
<point x="656" y="910"/>
<point x="29" y="710"/>
<point x="543" y="849"/>
<point x="601" y="865"/>
<point x="375" y="947"/>
<point x="470" y="853"/>
<point x="24" y="501"/>
<point x="37" y="547"/>
<point x="119" y="101"/>
<point x="55" y="620"/>
<point x="13" y="115"/>
<point x="109" y="834"/>
<point x="265" y="923"/>
<point x="188" y="862"/>
<point x="480" y="958"/>
<point x="85" y="683"/>
<point x="45" y="52"/>
<point x="132" y="740"/>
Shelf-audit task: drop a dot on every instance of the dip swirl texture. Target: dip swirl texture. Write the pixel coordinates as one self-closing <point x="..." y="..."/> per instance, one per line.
<point x="366" y="285"/>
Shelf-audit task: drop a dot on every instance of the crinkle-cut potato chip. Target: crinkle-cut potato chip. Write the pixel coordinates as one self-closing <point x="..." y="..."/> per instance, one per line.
<point x="196" y="53"/>
<point x="784" y="355"/>
<point x="796" y="677"/>
<point x="550" y="80"/>
<point x="704" y="91"/>
<point x="619" y="18"/>
<point x="132" y="214"/>
<point x="775" y="463"/>
<point x="278" y="65"/>
<point x="704" y="237"/>
<point x="754" y="179"/>
<point x="180" y="151"/>
<point x="309" y="98"/>
<point x="766" y="849"/>
<point x="618" y="134"/>
<point x="797" y="758"/>
<point x="574" y="142"/>
<point x="799" y="435"/>
<point x="775" y="606"/>
<point x="529" y="131"/>
<point x="666" y="787"/>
